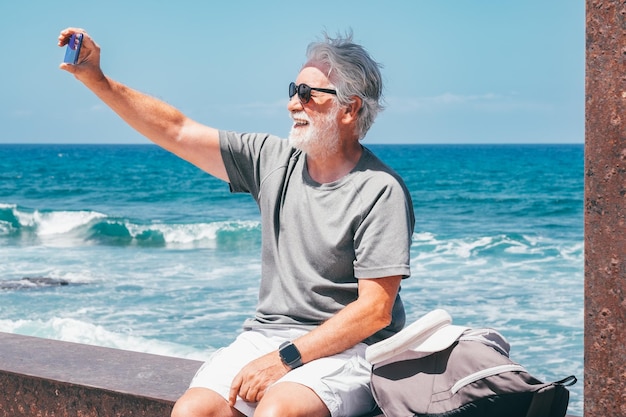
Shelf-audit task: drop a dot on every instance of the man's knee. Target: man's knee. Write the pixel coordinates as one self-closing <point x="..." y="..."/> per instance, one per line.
<point x="291" y="399"/>
<point x="271" y="409"/>
<point x="182" y="408"/>
<point x="286" y="409"/>
<point x="187" y="406"/>
<point x="200" y="402"/>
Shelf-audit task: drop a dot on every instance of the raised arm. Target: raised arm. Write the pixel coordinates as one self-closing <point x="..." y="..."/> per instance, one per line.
<point x="158" y="121"/>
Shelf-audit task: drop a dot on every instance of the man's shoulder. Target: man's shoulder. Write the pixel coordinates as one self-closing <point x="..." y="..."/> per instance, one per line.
<point x="374" y="168"/>
<point x="256" y="143"/>
<point x="232" y="136"/>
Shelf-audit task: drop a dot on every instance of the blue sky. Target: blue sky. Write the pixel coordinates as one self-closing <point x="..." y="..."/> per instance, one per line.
<point x="456" y="71"/>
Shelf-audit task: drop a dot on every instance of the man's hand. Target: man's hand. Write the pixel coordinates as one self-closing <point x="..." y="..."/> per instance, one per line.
<point x="87" y="69"/>
<point x="253" y="380"/>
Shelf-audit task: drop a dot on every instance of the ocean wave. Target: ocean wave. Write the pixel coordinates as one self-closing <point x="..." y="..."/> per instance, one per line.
<point x="73" y="228"/>
<point x="77" y="331"/>
<point x="428" y="247"/>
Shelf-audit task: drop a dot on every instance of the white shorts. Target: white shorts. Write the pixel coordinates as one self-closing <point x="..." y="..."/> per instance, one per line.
<point x="341" y="381"/>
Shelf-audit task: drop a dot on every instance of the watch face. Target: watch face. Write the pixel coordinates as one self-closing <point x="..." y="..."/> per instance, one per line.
<point x="289" y="353"/>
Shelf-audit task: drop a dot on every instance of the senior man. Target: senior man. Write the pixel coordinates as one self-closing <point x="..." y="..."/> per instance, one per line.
<point x="336" y="234"/>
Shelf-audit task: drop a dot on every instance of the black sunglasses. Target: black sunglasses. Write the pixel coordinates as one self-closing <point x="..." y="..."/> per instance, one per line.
<point x="304" y="91"/>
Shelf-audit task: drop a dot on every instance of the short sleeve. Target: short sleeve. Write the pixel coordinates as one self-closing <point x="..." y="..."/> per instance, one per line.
<point x="383" y="239"/>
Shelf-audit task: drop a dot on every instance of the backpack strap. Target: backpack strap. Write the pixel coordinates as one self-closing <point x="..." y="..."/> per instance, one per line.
<point x="552" y="399"/>
<point x="567" y="382"/>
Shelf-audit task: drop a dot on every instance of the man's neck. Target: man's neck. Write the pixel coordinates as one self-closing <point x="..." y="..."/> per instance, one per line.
<point x="329" y="168"/>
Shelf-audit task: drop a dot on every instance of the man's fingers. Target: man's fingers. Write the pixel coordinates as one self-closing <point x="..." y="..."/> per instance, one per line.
<point x="244" y="391"/>
<point x="259" y="395"/>
<point x="234" y="390"/>
<point x="67" y="33"/>
<point x="68" y="67"/>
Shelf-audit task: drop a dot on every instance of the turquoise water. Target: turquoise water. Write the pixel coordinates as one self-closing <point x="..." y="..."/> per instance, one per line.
<point x="159" y="257"/>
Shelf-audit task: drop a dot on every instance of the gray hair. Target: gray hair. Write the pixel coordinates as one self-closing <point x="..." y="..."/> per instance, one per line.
<point x="354" y="73"/>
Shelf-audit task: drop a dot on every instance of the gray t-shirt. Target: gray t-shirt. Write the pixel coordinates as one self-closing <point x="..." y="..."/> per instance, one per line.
<point x="318" y="240"/>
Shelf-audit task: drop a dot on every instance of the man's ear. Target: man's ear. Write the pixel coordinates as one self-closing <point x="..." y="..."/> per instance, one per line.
<point x="351" y="111"/>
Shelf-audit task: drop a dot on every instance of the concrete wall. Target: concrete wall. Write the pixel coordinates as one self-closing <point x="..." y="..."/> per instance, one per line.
<point x="41" y="377"/>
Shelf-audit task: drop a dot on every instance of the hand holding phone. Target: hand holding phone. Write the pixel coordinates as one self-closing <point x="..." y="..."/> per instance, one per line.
<point x="73" y="48"/>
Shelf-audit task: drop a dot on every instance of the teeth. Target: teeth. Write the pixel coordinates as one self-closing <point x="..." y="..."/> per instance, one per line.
<point x="300" y="118"/>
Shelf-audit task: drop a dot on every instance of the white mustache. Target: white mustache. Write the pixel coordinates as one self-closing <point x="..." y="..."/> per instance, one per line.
<point x="300" y="115"/>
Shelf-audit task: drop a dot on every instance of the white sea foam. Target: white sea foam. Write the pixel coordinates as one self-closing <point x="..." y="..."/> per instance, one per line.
<point x="58" y="222"/>
<point x="72" y="330"/>
<point x="5" y="228"/>
<point x="74" y="228"/>
<point x="190" y="233"/>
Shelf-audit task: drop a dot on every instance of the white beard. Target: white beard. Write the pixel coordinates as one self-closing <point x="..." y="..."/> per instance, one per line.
<point x="317" y="140"/>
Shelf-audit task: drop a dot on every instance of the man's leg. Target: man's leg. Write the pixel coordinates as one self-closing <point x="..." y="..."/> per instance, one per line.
<point x="202" y="402"/>
<point x="291" y="399"/>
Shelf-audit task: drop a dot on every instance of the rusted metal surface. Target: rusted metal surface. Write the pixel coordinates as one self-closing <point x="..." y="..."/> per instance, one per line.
<point x="42" y="377"/>
<point x="605" y="209"/>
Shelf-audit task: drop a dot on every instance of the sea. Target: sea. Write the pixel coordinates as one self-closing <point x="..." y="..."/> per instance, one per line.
<point x="127" y="246"/>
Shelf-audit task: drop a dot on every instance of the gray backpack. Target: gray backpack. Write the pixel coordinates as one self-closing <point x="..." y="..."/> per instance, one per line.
<point x="435" y="369"/>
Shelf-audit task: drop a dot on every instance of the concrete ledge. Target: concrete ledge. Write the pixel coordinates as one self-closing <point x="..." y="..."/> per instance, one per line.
<point x="50" y="378"/>
<point x="42" y="377"/>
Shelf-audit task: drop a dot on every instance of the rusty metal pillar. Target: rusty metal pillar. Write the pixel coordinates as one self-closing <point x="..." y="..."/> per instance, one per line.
<point x="605" y="209"/>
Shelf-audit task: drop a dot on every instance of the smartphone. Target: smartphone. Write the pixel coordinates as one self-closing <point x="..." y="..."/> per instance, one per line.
<point x="73" y="48"/>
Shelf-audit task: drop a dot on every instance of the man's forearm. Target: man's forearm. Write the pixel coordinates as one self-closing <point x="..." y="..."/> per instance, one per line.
<point x="354" y="323"/>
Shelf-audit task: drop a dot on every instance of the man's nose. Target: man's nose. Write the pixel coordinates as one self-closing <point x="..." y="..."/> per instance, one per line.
<point x="294" y="104"/>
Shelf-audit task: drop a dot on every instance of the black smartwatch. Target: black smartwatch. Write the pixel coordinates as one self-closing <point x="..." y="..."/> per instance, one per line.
<point x="290" y="355"/>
